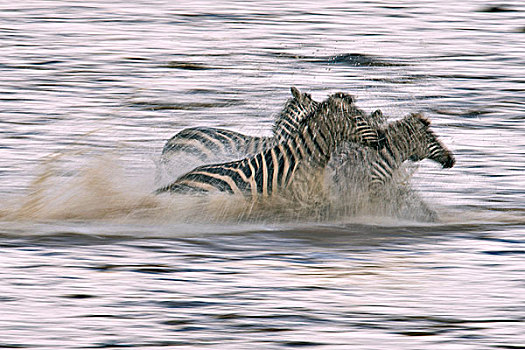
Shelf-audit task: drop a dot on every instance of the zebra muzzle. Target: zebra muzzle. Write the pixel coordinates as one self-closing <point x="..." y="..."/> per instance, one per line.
<point x="448" y="162"/>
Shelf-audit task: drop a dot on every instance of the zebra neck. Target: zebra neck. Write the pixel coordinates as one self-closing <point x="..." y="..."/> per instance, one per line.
<point x="317" y="141"/>
<point x="290" y="119"/>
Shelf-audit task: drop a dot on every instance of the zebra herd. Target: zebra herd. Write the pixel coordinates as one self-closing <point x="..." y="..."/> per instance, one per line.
<point x="306" y="135"/>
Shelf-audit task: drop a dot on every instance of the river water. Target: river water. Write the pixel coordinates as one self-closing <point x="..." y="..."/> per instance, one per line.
<point x="89" y="258"/>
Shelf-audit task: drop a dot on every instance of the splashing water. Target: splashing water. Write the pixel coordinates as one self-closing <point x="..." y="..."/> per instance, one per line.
<point x="95" y="188"/>
<point x="77" y="185"/>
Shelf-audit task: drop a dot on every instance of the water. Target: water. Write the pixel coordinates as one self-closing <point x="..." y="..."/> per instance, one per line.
<point x="90" y="91"/>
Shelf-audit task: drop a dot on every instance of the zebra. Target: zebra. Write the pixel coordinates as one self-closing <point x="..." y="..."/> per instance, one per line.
<point x="208" y="144"/>
<point x="310" y="146"/>
<point x="409" y="138"/>
<point x="356" y="170"/>
<point x="204" y="145"/>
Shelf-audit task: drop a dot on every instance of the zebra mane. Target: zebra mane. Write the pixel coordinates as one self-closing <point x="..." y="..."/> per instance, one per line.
<point x="409" y="125"/>
<point x="324" y="107"/>
<point x="410" y="130"/>
<point x="331" y="102"/>
<point x="414" y="131"/>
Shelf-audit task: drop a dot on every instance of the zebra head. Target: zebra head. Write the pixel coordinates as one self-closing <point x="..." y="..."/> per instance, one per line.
<point x="355" y="124"/>
<point x="295" y="110"/>
<point x="424" y="143"/>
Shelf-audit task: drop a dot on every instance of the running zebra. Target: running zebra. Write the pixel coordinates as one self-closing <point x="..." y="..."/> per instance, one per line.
<point x="372" y="182"/>
<point x="204" y="145"/>
<point x="409" y="138"/>
<point x="310" y="146"/>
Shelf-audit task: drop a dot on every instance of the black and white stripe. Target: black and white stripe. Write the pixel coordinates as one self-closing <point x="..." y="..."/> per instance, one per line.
<point x="309" y="147"/>
<point x="207" y="144"/>
<point x="409" y="138"/>
<point x="296" y="109"/>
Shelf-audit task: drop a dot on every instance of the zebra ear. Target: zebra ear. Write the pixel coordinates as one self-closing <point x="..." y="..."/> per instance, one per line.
<point x="323" y="107"/>
<point x="423" y="119"/>
<point x="295" y="92"/>
<point x="350" y="99"/>
<point x="377" y="117"/>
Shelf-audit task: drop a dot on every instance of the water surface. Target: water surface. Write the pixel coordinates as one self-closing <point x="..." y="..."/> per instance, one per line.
<point x="90" y="259"/>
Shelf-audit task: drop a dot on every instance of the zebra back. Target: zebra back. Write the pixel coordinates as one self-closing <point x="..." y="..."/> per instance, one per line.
<point x="205" y="143"/>
<point x="201" y="145"/>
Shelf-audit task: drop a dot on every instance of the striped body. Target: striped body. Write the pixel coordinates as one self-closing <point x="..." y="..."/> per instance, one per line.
<point x="309" y="147"/>
<point x="206" y="144"/>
